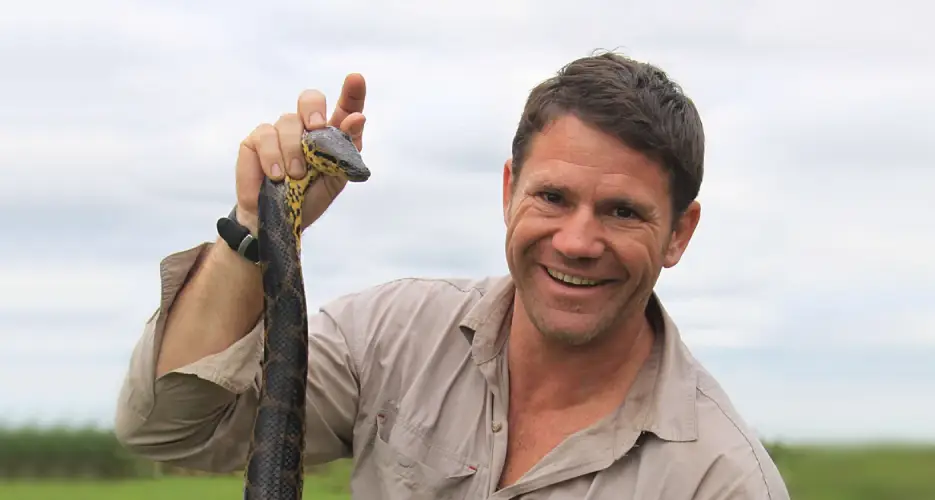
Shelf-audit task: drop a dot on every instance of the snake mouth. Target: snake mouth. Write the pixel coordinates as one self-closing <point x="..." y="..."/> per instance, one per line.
<point x="356" y="174"/>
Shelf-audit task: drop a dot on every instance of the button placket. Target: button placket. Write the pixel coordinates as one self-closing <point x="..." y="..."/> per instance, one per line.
<point x="499" y="387"/>
<point x="498" y="441"/>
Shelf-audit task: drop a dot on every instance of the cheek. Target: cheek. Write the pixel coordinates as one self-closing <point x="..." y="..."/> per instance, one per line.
<point x="639" y="253"/>
<point x="525" y="231"/>
<point x="519" y="223"/>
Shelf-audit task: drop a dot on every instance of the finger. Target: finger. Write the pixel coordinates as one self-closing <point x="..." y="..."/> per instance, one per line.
<point x="354" y="126"/>
<point x="320" y="196"/>
<point x="265" y="141"/>
<point x="353" y="95"/>
<point x="249" y="174"/>
<point x="312" y="109"/>
<point x="332" y="187"/>
<point x="289" y="128"/>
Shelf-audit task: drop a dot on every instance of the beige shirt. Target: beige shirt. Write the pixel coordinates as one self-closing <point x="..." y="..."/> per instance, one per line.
<point x="410" y="379"/>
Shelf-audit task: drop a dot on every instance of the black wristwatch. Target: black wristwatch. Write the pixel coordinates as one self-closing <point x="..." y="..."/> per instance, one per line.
<point x="238" y="237"/>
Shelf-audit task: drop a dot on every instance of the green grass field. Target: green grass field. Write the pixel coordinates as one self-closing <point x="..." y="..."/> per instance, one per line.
<point x="858" y="473"/>
<point x="331" y="485"/>
<point x="812" y="473"/>
<point x="174" y="488"/>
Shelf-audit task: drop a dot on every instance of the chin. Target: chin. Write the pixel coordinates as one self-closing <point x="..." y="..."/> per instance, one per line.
<point x="569" y="328"/>
<point x="570" y="339"/>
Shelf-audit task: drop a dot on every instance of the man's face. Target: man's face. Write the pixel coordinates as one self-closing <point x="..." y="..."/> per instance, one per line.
<point x="588" y="209"/>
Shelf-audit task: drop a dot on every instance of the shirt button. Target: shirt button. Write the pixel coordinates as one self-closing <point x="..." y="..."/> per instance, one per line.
<point x="496" y="427"/>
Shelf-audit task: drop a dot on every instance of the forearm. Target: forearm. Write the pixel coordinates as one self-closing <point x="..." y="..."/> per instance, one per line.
<point x="221" y="302"/>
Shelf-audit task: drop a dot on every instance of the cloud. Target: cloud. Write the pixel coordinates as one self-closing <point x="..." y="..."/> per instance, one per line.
<point x="808" y="277"/>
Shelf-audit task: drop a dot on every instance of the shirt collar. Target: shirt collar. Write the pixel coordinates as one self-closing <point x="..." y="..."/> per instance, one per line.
<point x="662" y="398"/>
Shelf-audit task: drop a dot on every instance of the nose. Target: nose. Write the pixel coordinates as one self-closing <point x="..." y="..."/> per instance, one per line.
<point x="579" y="236"/>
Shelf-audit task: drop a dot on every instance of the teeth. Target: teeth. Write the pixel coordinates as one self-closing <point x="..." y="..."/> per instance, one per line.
<point x="574" y="280"/>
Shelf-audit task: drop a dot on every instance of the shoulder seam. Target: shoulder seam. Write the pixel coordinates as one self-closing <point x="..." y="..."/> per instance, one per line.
<point x="356" y="357"/>
<point x="447" y="281"/>
<point x="759" y="464"/>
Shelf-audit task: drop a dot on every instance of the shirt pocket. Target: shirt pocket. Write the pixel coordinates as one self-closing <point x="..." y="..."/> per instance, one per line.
<point x="410" y="466"/>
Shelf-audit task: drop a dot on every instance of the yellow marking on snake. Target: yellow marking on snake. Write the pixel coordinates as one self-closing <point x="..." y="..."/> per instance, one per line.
<point x="317" y="164"/>
<point x="294" y="198"/>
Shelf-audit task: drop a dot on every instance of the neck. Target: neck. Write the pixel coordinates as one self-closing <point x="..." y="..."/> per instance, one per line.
<point x="551" y="375"/>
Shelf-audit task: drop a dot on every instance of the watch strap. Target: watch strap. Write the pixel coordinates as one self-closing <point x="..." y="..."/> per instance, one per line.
<point x="238" y="237"/>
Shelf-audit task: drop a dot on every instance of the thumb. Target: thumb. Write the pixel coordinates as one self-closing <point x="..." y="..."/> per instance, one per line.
<point x="319" y="197"/>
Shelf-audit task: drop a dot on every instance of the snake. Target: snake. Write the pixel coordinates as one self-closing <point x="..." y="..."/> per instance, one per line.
<point x="274" y="468"/>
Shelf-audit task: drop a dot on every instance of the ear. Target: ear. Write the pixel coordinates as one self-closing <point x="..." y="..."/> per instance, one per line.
<point x="507" y="189"/>
<point x="682" y="234"/>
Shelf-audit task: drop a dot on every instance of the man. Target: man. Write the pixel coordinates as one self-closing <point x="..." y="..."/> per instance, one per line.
<point x="564" y="380"/>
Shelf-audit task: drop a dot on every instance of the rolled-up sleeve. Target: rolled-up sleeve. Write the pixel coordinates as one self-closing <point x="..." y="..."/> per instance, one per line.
<point x="200" y="416"/>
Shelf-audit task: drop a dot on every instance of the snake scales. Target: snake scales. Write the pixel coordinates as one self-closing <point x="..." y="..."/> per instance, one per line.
<point x="274" y="468"/>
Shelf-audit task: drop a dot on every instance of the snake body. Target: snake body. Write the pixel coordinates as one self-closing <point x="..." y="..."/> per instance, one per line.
<point x="274" y="468"/>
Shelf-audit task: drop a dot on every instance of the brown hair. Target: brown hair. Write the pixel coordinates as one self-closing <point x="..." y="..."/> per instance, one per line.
<point x="632" y="101"/>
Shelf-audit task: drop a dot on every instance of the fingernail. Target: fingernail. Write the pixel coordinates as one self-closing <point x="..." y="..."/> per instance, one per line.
<point x="276" y="170"/>
<point x="296" y="169"/>
<point x="316" y="119"/>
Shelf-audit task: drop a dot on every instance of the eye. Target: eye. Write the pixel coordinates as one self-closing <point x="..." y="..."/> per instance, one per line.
<point x="551" y="197"/>
<point x="624" y="213"/>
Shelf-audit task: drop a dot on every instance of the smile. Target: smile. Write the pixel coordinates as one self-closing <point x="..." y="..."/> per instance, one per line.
<point x="569" y="279"/>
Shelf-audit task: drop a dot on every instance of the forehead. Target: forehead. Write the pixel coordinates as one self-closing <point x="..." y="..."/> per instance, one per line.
<point x="578" y="156"/>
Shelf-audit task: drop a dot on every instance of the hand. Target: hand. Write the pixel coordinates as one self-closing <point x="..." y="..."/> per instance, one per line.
<point x="274" y="151"/>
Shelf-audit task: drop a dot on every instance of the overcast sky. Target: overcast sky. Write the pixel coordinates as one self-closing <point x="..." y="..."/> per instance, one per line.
<point x="807" y="291"/>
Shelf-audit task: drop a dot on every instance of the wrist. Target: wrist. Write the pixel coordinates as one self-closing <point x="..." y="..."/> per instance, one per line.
<point x="247" y="219"/>
<point x="227" y="258"/>
<point x="238" y="237"/>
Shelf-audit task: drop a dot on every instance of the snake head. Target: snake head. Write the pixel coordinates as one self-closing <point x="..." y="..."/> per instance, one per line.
<point x="331" y="151"/>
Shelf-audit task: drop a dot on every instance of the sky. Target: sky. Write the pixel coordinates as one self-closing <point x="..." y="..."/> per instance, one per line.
<point x="807" y="290"/>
